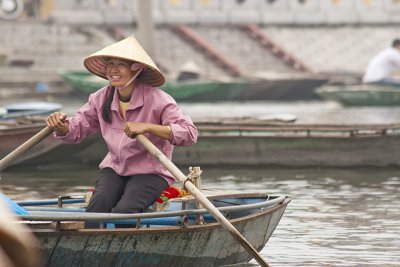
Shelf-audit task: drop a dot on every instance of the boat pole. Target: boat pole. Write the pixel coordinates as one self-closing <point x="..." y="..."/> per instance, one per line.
<point x="34" y="140"/>
<point x="180" y="177"/>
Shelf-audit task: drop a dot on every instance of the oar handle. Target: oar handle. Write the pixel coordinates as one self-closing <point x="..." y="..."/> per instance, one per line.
<point x="37" y="138"/>
<point x="180" y="177"/>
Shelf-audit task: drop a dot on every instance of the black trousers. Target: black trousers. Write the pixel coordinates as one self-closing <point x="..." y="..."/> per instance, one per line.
<point x="124" y="194"/>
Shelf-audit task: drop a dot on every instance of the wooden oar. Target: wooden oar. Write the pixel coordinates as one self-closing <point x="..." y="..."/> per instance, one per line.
<point x="179" y="176"/>
<point x="37" y="138"/>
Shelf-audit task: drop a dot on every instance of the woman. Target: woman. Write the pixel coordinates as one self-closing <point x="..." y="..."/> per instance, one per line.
<point x="130" y="178"/>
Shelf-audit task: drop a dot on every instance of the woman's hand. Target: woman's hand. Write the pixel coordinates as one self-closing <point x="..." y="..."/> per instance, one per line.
<point x="134" y="128"/>
<point x="56" y="122"/>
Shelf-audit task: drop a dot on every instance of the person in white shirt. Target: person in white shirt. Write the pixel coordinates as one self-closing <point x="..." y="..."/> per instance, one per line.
<point x="384" y="65"/>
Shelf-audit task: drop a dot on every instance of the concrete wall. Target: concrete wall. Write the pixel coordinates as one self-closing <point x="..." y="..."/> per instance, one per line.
<point x="264" y="12"/>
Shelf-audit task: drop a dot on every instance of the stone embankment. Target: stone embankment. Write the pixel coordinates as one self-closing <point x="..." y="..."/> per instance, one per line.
<point x="32" y="51"/>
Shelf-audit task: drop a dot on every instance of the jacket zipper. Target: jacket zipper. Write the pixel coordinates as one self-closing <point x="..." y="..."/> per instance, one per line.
<point x="122" y="138"/>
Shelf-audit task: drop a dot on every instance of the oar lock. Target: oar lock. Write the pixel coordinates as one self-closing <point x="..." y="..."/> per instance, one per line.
<point x="193" y="177"/>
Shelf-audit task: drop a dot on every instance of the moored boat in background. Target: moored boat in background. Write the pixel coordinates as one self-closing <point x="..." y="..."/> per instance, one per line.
<point x="281" y="87"/>
<point x="186" y="90"/>
<point x="294" y="145"/>
<point x="83" y="81"/>
<point x="14" y="132"/>
<point x="250" y="142"/>
<point x="361" y="94"/>
<point x="28" y="108"/>
<point x="206" y="90"/>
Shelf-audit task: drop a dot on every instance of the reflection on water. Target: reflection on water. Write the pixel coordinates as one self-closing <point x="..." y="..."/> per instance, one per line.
<point x="336" y="218"/>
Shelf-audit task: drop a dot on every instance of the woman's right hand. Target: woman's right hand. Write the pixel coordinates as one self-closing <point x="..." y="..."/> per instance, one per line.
<point x="56" y="121"/>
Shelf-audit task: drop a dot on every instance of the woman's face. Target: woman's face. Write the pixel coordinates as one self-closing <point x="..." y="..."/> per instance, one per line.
<point x="119" y="71"/>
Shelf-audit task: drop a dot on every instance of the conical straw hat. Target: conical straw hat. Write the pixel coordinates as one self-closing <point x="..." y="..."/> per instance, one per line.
<point x="190" y="66"/>
<point x="130" y="49"/>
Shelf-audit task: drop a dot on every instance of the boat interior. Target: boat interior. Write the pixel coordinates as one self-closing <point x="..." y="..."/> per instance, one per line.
<point x="68" y="212"/>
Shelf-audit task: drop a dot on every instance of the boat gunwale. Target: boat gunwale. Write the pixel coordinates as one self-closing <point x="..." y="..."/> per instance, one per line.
<point x="266" y="126"/>
<point x="9" y="129"/>
<point x="164" y="229"/>
<point x="298" y="135"/>
<point x="82" y="216"/>
<point x="364" y="88"/>
<point x="261" y="132"/>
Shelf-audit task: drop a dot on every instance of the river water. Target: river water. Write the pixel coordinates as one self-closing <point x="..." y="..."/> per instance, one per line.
<point x="338" y="217"/>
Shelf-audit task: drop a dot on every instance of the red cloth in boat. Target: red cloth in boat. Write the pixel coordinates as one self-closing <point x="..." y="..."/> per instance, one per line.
<point x="171" y="192"/>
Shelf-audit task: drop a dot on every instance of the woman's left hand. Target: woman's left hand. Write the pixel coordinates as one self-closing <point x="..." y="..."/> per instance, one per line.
<point x="134" y="128"/>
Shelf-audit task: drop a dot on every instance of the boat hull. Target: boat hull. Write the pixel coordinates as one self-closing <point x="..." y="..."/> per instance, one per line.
<point x="362" y="95"/>
<point x="12" y="136"/>
<point x="260" y="145"/>
<point x="33" y="108"/>
<point x="210" y="90"/>
<point x="282" y="89"/>
<point x="192" y="245"/>
<point x="206" y="90"/>
<point x="83" y="81"/>
<point x="292" y="151"/>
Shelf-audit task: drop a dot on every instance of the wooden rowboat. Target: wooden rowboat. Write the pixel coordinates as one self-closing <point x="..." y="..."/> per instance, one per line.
<point x="31" y="108"/>
<point x="206" y="90"/>
<point x="283" y="86"/>
<point x="188" y="90"/>
<point x="181" y="235"/>
<point x="258" y="87"/>
<point x="109" y="254"/>
<point x="83" y="81"/>
<point x="15" y="132"/>
<point x="260" y="143"/>
<point x="295" y="145"/>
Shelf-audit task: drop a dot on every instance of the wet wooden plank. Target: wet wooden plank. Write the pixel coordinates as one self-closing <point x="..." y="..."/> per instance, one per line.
<point x="197" y="249"/>
<point x="47" y="245"/>
<point x="69" y="250"/>
<point x="275" y="218"/>
<point x="257" y="239"/>
<point x="95" y="249"/>
<point x="116" y="243"/>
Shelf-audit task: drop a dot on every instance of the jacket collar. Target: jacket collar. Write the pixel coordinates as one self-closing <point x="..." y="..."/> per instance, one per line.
<point x="137" y="99"/>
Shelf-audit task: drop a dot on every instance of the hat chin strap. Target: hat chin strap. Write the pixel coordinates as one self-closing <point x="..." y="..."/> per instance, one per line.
<point x="130" y="81"/>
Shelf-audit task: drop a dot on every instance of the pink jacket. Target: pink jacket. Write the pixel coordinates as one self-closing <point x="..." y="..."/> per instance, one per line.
<point x="126" y="156"/>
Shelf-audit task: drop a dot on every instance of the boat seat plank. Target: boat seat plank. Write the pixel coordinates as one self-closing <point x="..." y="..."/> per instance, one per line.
<point x="66" y="225"/>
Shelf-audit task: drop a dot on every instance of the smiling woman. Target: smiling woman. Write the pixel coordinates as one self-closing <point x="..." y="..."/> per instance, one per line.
<point x="130" y="179"/>
<point x="120" y="70"/>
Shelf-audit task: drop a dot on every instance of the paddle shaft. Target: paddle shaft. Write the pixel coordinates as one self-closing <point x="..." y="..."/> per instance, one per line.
<point x="34" y="140"/>
<point x="179" y="176"/>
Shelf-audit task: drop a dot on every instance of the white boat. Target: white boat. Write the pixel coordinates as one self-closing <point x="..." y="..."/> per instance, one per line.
<point x="29" y="108"/>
